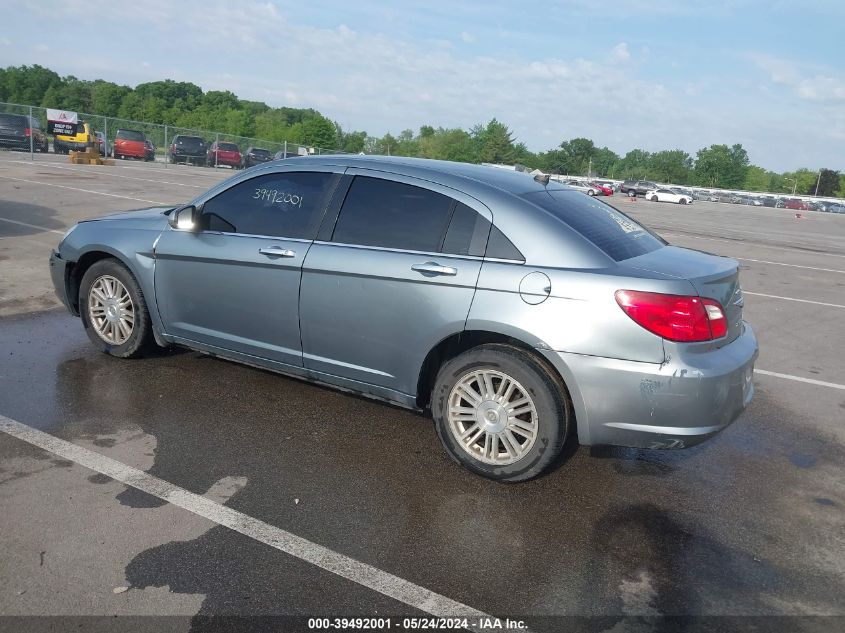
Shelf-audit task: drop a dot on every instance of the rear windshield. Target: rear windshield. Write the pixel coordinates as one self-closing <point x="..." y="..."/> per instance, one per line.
<point x="260" y="152"/>
<point x="618" y="235"/>
<point x="190" y="141"/>
<point x="13" y="119"/>
<point x="228" y="147"/>
<point x="130" y="135"/>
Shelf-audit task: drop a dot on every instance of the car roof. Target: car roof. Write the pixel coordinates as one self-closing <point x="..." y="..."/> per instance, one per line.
<point x="506" y="180"/>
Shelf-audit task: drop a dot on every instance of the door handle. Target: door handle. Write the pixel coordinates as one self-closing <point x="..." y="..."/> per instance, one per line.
<point x="277" y="251"/>
<point x="433" y="268"/>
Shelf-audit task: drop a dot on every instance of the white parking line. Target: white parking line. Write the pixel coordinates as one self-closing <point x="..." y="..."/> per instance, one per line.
<point x="789" y="249"/>
<point x="811" y="381"/>
<point x="32" y="226"/>
<point x="99" y="193"/>
<point x="108" y="173"/>
<point x="763" y="261"/>
<point x="363" y="574"/>
<point x="818" y="303"/>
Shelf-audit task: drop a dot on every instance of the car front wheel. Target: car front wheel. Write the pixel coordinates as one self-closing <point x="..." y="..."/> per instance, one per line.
<point x="500" y="412"/>
<point x="654" y="198"/>
<point x="113" y="310"/>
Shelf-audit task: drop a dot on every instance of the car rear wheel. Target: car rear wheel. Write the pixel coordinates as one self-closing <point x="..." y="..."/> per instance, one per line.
<point x="654" y="199"/>
<point x="500" y="412"/>
<point x="113" y="310"/>
<point x="682" y="201"/>
<point x="591" y="192"/>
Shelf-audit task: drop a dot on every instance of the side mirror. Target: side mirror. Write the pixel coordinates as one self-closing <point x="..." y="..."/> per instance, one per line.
<point x="185" y="218"/>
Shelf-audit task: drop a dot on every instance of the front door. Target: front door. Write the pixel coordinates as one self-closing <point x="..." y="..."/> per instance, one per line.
<point x="234" y="283"/>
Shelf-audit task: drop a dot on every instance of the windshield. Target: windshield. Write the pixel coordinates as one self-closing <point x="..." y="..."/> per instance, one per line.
<point x="618" y="235"/>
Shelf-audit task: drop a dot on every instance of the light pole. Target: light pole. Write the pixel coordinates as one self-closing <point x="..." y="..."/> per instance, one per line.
<point x="818" y="180"/>
<point x="794" y="183"/>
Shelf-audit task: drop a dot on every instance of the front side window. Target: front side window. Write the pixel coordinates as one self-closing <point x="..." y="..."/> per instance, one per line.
<point x="287" y="204"/>
<point x="391" y="214"/>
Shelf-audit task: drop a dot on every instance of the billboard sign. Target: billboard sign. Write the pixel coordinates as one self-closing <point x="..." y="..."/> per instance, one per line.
<point x="62" y="122"/>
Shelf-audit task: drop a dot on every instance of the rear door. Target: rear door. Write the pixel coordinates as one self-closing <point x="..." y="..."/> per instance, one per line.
<point x="394" y="276"/>
<point x="234" y="284"/>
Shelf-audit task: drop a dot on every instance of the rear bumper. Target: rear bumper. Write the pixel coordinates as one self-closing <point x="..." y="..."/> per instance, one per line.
<point x="677" y="404"/>
<point x="16" y="142"/>
<point x="58" y="273"/>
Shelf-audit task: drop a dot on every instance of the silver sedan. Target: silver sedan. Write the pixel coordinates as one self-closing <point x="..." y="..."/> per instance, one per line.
<point x="518" y="312"/>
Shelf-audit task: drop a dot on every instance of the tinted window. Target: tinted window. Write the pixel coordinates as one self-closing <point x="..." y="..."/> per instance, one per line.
<point x="189" y="141"/>
<point x="610" y="230"/>
<point x="280" y="205"/>
<point x="260" y="152"/>
<point x="12" y="120"/>
<point x="130" y="135"/>
<point x="467" y="233"/>
<point x="380" y="212"/>
<point x="500" y="247"/>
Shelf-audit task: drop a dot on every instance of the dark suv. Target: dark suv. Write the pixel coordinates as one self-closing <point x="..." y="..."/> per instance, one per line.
<point x="188" y="149"/>
<point x="255" y="156"/>
<point x="15" y="131"/>
<point x="637" y="187"/>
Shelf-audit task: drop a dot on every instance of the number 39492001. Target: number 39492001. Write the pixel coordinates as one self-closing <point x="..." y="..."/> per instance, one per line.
<point x="273" y="196"/>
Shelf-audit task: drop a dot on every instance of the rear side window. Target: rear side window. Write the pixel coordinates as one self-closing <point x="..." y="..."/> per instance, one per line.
<point x="500" y="247"/>
<point x="287" y="204"/>
<point x="130" y="135"/>
<point x="619" y="236"/>
<point x="467" y="233"/>
<point x="392" y="214"/>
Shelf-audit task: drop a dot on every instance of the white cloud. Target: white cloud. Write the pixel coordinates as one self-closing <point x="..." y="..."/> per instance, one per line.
<point x="620" y="53"/>
<point x="469" y="38"/>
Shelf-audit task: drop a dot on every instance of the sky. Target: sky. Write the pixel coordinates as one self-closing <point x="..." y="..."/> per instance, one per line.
<point x="649" y="74"/>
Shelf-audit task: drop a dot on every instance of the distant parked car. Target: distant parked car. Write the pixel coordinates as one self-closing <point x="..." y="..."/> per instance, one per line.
<point x="222" y="153"/>
<point x="585" y="187"/>
<point x="84" y="138"/>
<point x="638" y="187"/>
<point x="667" y="195"/>
<point x="130" y="144"/>
<point x="149" y="150"/>
<point x="255" y="156"/>
<point x="102" y="144"/>
<point x="836" y="207"/>
<point x="188" y="149"/>
<point x="18" y="131"/>
<point x="769" y="201"/>
<point x="605" y="190"/>
<point x="795" y="204"/>
<point x="282" y="154"/>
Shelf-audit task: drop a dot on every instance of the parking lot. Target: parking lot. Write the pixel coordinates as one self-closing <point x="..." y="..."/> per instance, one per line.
<point x="347" y="507"/>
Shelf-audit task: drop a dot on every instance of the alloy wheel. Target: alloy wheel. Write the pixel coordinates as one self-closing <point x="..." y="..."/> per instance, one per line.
<point x="111" y="310"/>
<point x="492" y="417"/>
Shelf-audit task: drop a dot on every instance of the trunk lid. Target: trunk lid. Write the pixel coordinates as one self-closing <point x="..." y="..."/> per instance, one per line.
<point x="711" y="276"/>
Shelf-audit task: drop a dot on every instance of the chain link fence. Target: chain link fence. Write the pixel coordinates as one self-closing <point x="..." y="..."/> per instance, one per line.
<point x="158" y="138"/>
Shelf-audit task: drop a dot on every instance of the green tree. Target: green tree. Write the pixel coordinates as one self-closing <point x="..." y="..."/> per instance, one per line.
<point x="495" y="143"/>
<point x="757" y="179"/>
<point x="635" y="164"/>
<point x="827" y="182"/>
<point x="319" y="132"/>
<point x="672" y="166"/>
<point x="721" y="166"/>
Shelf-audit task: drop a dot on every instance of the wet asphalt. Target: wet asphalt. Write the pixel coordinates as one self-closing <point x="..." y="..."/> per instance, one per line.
<point x="750" y="523"/>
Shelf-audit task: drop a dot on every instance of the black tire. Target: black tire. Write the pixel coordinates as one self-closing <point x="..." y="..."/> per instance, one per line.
<point x="141" y="340"/>
<point x="591" y="193"/>
<point x="654" y="199"/>
<point x="682" y="201"/>
<point x="549" y="395"/>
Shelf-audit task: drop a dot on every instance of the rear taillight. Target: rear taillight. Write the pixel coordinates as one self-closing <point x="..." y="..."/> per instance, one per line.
<point x="26" y="132"/>
<point x="685" y="319"/>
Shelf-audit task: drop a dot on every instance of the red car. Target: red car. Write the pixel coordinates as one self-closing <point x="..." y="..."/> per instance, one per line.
<point x="797" y="205"/>
<point x="607" y="191"/>
<point x="130" y="144"/>
<point x="221" y="153"/>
